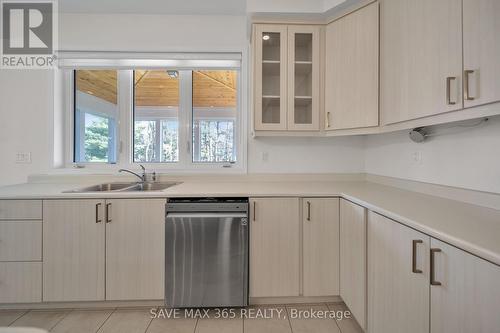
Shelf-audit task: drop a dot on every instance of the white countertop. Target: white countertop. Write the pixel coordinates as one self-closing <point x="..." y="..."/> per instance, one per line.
<point x="472" y="228"/>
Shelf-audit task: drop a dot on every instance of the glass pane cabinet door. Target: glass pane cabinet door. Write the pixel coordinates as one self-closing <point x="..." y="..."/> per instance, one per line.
<point x="303" y="81"/>
<point x="270" y="77"/>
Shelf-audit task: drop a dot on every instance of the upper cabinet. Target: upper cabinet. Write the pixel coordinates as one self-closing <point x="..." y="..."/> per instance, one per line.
<point x="351" y="66"/>
<point x="270" y="77"/>
<point x="286" y="78"/>
<point x="481" y="24"/>
<point x="420" y="58"/>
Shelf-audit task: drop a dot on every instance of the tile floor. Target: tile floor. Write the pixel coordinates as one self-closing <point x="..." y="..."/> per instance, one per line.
<point x="138" y="320"/>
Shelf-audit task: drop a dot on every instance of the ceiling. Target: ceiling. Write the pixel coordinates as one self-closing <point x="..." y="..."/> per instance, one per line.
<point x="157" y="88"/>
<point x="165" y="7"/>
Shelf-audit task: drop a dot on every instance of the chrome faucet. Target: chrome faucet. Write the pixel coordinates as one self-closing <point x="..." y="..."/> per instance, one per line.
<point x="142" y="178"/>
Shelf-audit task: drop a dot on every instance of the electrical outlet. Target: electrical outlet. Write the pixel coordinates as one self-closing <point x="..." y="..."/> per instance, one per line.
<point x="23" y="158"/>
<point x="417" y="157"/>
<point x="265" y="156"/>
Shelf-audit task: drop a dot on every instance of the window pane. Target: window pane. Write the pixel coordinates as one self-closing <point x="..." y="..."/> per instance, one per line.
<point x="96" y="114"/>
<point x="215" y="95"/>
<point x="156" y="109"/>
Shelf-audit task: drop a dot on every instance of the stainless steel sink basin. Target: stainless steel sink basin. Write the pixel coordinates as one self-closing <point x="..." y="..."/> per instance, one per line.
<point x="147" y="187"/>
<point x="124" y="187"/>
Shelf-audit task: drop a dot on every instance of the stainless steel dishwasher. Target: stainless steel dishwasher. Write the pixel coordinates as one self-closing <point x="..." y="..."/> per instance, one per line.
<point x="206" y="252"/>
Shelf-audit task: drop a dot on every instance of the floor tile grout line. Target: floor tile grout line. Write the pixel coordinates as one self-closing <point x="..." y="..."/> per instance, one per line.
<point x="24" y="314"/>
<point x="336" y="321"/>
<point x="104" y="322"/>
<point x="196" y="325"/>
<point x="149" y="324"/>
<point x="67" y="313"/>
<point x="289" y="320"/>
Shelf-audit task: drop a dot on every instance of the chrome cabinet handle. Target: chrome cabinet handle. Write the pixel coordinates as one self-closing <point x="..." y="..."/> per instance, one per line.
<point x="432" y="278"/>
<point x="108" y="213"/>
<point x="328" y="119"/>
<point x="254" y="210"/>
<point x="467" y="95"/>
<point x="97" y="215"/>
<point x="414" y="256"/>
<point x="448" y="90"/>
<point x="309" y="211"/>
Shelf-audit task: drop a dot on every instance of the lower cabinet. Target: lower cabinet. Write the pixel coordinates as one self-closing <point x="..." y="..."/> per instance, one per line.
<point x="73" y="250"/>
<point x="292" y="238"/>
<point x="353" y="259"/>
<point x="274" y="247"/>
<point x="416" y="282"/>
<point x="103" y="250"/>
<point x="465" y="292"/>
<point x="20" y="282"/>
<point x="135" y="249"/>
<point x="320" y="234"/>
<point x="398" y="277"/>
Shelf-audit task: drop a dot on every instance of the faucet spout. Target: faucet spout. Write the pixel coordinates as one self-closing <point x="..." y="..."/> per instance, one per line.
<point x="142" y="178"/>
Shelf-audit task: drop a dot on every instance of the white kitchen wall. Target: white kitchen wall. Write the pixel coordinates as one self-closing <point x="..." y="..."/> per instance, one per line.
<point x="467" y="157"/>
<point x="25" y="123"/>
<point x="291" y="6"/>
<point x="306" y="155"/>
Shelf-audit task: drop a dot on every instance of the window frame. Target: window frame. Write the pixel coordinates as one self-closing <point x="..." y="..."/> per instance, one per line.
<point x="125" y="125"/>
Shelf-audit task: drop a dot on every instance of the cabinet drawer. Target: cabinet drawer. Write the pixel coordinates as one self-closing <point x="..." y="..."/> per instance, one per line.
<point x="20" y="209"/>
<point x="20" y="241"/>
<point x="20" y="282"/>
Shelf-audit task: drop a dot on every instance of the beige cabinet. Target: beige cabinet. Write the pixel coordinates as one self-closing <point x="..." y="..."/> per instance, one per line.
<point x="274" y="247"/>
<point x="465" y="294"/>
<point x="481" y="39"/>
<point x="271" y="56"/>
<point x="73" y="250"/>
<point x="398" y="277"/>
<point x="286" y="77"/>
<point x="303" y="78"/>
<point x="135" y="247"/>
<point x="20" y="209"/>
<point x="21" y="240"/>
<point x="353" y="259"/>
<point x="352" y="70"/>
<point x="103" y="249"/>
<point x="20" y="282"/>
<point x="320" y="225"/>
<point x="420" y="58"/>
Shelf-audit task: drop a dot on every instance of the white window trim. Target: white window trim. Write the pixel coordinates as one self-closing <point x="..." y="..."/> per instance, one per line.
<point x="125" y="118"/>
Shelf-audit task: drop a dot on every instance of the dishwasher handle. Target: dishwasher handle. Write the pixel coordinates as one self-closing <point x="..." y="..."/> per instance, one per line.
<point x="206" y="214"/>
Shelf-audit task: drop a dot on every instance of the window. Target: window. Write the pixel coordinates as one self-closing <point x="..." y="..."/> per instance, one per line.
<point x="156" y="109"/>
<point x="172" y="117"/>
<point x="214" y="116"/>
<point x="95" y="116"/>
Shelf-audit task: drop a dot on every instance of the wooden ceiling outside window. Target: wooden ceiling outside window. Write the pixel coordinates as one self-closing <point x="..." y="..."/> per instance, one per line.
<point x="157" y="88"/>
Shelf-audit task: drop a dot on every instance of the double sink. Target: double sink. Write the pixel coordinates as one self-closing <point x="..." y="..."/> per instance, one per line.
<point x="125" y="187"/>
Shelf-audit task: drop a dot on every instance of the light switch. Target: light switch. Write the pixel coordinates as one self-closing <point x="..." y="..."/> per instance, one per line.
<point x="23" y="158"/>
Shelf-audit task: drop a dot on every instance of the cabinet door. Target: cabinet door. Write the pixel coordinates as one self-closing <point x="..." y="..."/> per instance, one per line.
<point x="353" y="259"/>
<point x="420" y="58"/>
<point x="351" y="82"/>
<point x="135" y="246"/>
<point x="320" y="218"/>
<point x="303" y="78"/>
<point x="73" y="250"/>
<point x="398" y="277"/>
<point x="481" y="26"/>
<point x="468" y="297"/>
<point x="270" y="54"/>
<point x="274" y="247"/>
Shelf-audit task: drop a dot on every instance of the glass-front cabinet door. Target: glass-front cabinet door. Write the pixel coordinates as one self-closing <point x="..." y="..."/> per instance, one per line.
<point x="270" y="77"/>
<point x="303" y="78"/>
